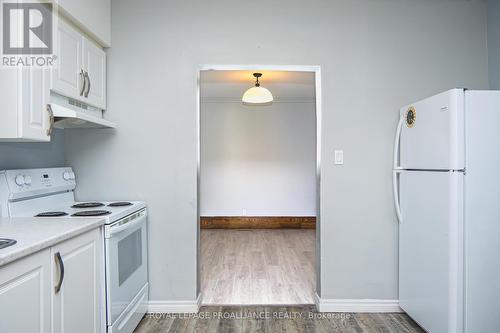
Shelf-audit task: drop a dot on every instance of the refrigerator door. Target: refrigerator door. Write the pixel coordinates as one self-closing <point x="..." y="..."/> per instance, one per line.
<point x="432" y="133"/>
<point x="431" y="249"/>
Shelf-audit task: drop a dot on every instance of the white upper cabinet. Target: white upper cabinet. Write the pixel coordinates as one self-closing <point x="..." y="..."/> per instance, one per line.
<point x="25" y="115"/>
<point x="36" y="116"/>
<point x="95" y="68"/>
<point x="67" y="77"/>
<point x="80" y="72"/>
<point x="92" y="16"/>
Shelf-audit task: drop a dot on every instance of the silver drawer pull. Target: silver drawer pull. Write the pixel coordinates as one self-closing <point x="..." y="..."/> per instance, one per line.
<point x="51" y="120"/>
<point x="84" y="81"/>
<point x="60" y="263"/>
<point x="88" y="86"/>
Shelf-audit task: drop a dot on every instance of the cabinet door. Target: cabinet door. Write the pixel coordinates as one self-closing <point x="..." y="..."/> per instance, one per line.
<point x="34" y="120"/>
<point x="95" y="64"/>
<point x="77" y="305"/>
<point x="25" y="294"/>
<point x="67" y="77"/>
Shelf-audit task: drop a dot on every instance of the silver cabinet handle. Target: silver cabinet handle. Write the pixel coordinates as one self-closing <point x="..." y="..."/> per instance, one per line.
<point x="88" y="86"/>
<point x="84" y="83"/>
<point x="51" y="120"/>
<point x="60" y="263"/>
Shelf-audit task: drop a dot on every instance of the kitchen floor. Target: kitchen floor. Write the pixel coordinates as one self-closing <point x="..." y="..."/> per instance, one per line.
<point x="257" y="267"/>
<point x="289" y="319"/>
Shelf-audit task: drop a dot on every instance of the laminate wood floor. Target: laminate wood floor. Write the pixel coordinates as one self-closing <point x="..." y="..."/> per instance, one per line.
<point x="270" y="319"/>
<point x="257" y="267"/>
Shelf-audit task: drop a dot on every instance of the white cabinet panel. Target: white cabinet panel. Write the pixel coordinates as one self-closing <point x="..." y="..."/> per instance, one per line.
<point x="35" y="119"/>
<point x="67" y="76"/>
<point x="81" y="68"/>
<point x="25" y="294"/>
<point x="95" y="65"/>
<point x="77" y="305"/>
<point x="24" y="115"/>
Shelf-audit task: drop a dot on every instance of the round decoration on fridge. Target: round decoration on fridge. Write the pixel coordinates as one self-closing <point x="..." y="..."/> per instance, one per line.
<point x="411" y="117"/>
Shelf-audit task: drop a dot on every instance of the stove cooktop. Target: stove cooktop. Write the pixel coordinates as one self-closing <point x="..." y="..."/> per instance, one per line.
<point x="111" y="211"/>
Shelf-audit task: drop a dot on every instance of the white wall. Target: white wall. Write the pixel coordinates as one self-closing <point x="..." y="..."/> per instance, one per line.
<point x="258" y="161"/>
<point x="16" y="155"/>
<point x="375" y="56"/>
<point x="493" y="7"/>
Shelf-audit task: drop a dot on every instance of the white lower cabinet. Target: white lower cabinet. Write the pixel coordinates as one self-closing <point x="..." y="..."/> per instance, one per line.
<point x="25" y="294"/>
<point x="77" y="284"/>
<point x="60" y="289"/>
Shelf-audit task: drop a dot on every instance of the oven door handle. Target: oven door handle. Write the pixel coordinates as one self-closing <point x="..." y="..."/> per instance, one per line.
<point x="113" y="230"/>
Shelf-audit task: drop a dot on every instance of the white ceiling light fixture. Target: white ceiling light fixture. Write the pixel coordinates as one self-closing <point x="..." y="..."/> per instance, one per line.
<point x="257" y="95"/>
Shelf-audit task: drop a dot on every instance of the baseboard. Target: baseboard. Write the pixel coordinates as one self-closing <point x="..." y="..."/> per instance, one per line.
<point x="174" y="306"/>
<point x="258" y="222"/>
<point x="357" y="305"/>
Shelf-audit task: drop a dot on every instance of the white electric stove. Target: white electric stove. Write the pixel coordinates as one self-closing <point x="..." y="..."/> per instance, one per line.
<point x="43" y="193"/>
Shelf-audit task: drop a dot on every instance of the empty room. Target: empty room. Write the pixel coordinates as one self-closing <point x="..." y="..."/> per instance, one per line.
<point x="258" y="195"/>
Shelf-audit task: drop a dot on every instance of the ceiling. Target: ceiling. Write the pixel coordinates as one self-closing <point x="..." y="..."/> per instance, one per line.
<point x="232" y="84"/>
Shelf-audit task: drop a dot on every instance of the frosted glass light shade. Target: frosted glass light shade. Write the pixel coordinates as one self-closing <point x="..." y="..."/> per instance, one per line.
<point x="257" y="96"/>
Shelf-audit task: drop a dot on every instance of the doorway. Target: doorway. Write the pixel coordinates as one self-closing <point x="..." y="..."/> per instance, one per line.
<point x="258" y="198"/>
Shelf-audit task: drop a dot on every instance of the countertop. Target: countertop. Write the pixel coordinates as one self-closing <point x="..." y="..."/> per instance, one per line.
<point x="35" y="234"/>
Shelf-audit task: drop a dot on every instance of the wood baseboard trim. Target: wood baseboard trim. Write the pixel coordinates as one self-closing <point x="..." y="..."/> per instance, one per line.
<point x="258" y="222"/>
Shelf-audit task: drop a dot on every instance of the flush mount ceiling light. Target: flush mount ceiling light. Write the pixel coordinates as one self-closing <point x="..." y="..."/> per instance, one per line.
<point x="257" y="95"/>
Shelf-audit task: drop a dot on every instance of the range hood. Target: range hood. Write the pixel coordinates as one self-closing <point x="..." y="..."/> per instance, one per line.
<point x="68" y="118"/>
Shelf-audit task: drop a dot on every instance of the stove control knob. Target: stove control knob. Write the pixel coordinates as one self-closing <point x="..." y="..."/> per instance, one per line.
<point x="72" y="175"/>
<point x="19" y="180"/>
<point x="67" y="175"/>
<point x="27" y="180"/>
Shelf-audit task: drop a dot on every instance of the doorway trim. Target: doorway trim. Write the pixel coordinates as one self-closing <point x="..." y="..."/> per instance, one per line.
<point x="290" y="68"/>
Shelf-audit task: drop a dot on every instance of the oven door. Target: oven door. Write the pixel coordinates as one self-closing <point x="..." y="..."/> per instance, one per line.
<point x="126" y="262"/>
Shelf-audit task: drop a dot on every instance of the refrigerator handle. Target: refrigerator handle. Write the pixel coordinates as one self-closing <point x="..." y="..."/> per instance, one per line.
<point x="397" y="169"/>
<point x="395" y="189"/>
<point x="397" y="140"/>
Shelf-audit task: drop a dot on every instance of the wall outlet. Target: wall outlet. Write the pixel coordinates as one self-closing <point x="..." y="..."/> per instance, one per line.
<point x="339" y="157"/>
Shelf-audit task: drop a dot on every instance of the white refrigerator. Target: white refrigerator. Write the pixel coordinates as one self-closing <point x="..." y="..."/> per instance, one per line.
<point x="446" y="182"/>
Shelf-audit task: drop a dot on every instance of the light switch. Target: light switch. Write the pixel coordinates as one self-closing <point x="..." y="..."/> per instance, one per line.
<point x="339" y="157"/>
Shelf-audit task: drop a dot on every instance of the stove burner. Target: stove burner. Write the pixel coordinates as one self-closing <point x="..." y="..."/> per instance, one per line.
<point x="92" y="213"/>
<point x="119" y="204"/>
<point x="51" y="214"/>
<point x="88" y="205"/>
